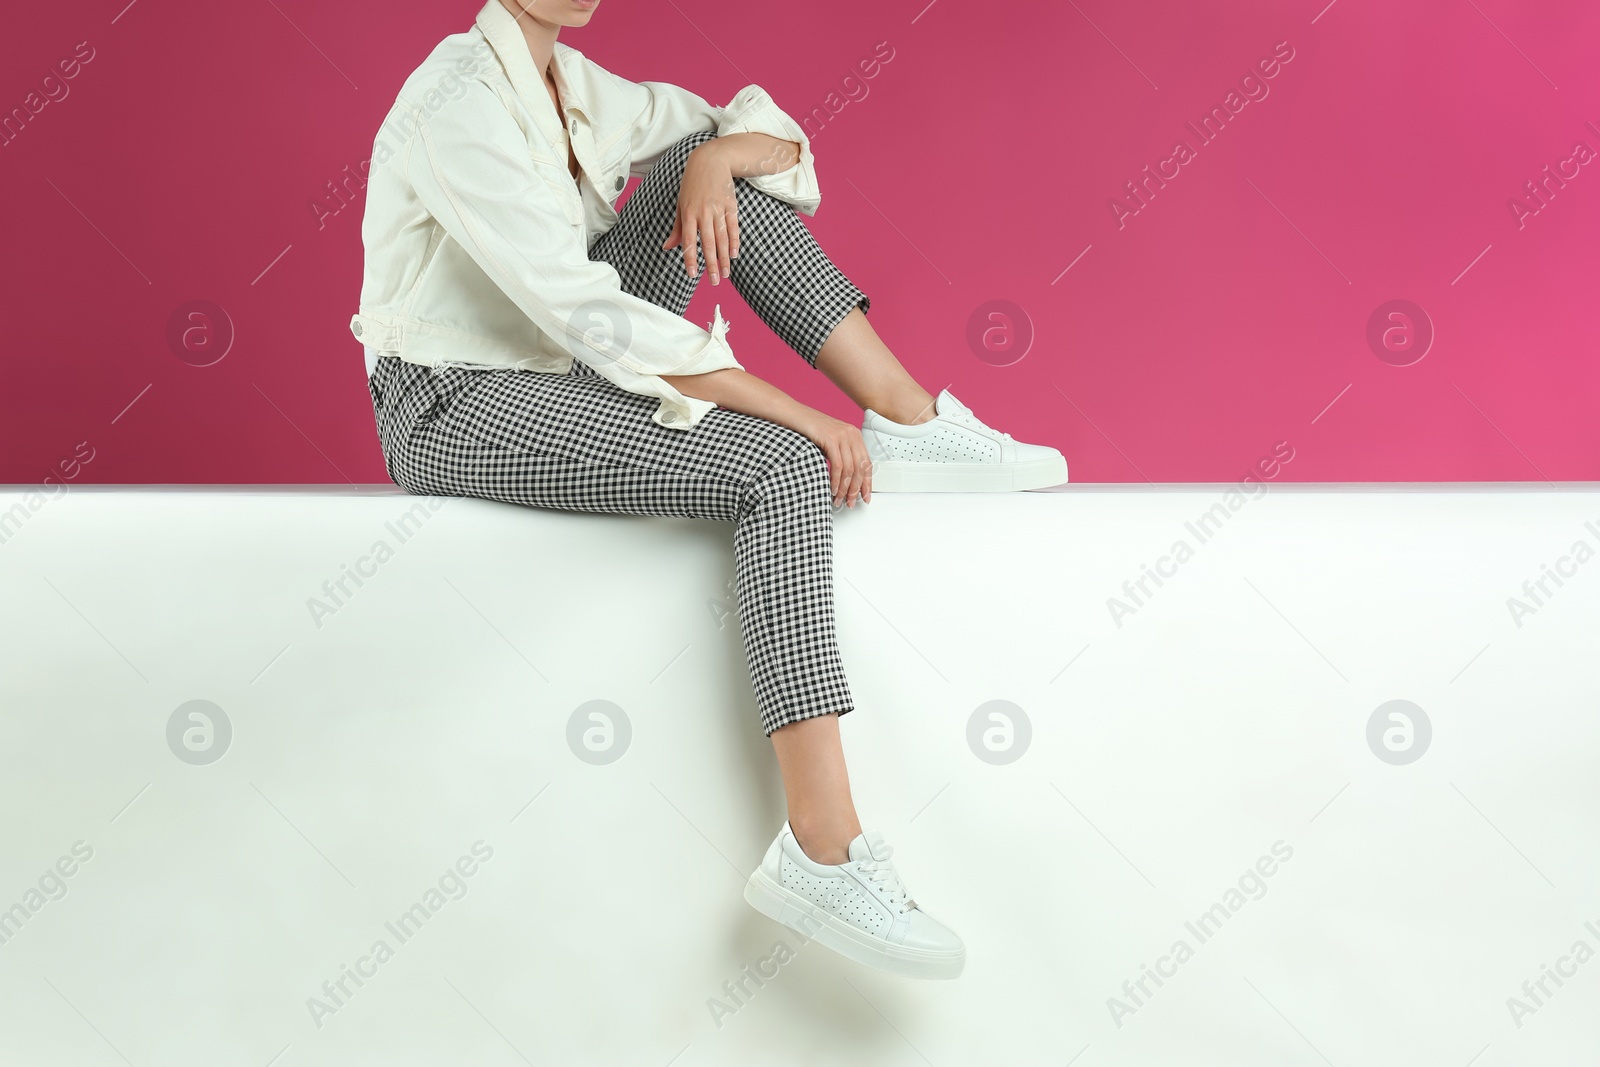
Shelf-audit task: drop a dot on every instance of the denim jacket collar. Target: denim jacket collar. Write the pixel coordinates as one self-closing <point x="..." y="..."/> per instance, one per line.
<point x="500" y="27"/>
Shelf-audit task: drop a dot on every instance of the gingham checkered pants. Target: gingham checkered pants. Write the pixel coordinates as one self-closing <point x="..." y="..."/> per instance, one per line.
<point x="577" y="442"/>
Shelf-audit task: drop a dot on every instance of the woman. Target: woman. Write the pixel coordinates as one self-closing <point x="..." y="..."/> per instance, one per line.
<point x="525" y="343"/>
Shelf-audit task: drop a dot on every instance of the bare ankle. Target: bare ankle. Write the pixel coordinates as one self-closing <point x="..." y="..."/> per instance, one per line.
<point x="908" y="410"/>
<point x="827" y="843"/>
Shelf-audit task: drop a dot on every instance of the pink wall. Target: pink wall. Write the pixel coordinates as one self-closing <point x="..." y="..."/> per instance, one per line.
<point x="1223" y="319"/>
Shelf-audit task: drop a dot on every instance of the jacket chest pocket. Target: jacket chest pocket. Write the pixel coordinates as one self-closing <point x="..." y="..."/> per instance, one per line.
<point x="559" y="179"/>
<point x="612" y="174"/>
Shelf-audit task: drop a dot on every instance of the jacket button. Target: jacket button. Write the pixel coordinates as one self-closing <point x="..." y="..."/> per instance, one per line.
<point x="622" y="179"/>
<point x="670" y="416"/>
<point x="357" y="329"/>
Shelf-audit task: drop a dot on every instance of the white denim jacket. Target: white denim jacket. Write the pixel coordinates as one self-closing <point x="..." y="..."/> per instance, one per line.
<point x="476" y="235"/>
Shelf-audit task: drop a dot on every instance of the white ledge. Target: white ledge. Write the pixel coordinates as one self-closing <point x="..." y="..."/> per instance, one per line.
<point x="1171" y="747"/>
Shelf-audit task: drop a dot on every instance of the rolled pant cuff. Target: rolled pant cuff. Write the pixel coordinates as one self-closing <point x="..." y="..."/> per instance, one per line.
<point x="772" y="723"/>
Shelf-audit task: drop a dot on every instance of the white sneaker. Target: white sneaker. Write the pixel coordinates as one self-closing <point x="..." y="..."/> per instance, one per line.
<point x="954" y="452"/>
<point x="859" y="908"/>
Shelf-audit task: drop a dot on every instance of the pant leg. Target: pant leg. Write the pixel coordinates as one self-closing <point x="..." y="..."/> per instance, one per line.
<point x="782" y="273"/>
<point x="577" y="442"/>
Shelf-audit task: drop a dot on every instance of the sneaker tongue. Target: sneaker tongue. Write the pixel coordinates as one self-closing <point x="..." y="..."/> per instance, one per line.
<point x="946" y="403"/>
<point x="868" y="845"/>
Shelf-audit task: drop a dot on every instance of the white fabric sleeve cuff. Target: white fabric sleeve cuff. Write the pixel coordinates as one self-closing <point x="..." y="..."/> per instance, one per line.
<point x="752" y="111"/>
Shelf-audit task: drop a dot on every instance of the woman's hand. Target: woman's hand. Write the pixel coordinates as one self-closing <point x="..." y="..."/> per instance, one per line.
<point x="708" y="210"/>
<point x="849" y="467"/>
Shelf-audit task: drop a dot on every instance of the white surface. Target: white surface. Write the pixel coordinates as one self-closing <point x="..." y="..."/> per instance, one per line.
<point x="430" y="711"/>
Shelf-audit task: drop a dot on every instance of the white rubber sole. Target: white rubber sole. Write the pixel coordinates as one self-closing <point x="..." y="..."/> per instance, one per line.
<point x="913" y="476"/>
<point x="820" y="925"/>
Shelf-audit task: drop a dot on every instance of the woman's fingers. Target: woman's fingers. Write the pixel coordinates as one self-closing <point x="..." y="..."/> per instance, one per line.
<point x="719" y="251"/>
<point x="862" y="484"/>
<point x="853" y="475"/>
<point x="836" y="471"/>
<point x="690" y="227"/>
<point x="849" y="467"/>
<point x="711" y="232"/>
<point x="709" y="236"/>
<point x="725" y="239"/>
<point x="847" y="476"/>
<point x="857" y="476"/>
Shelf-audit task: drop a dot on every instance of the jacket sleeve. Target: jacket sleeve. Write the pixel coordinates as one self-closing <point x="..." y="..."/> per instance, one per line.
<point x="664" y="114"/>
<point x="470" y="166"/>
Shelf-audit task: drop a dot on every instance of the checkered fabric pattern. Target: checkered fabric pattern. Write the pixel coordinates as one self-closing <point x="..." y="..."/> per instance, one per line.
<point x="577" y="442"/>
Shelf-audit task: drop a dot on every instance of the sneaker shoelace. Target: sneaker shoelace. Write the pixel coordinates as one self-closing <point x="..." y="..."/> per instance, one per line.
<point x="966" y="417"/>
<point x="882" y="874"/>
